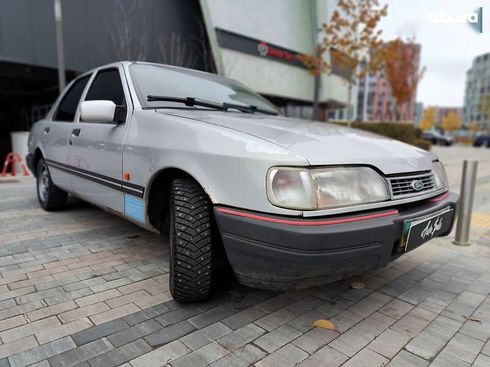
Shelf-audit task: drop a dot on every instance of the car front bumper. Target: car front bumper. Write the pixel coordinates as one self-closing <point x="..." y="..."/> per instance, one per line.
<point x="280" y="253"/>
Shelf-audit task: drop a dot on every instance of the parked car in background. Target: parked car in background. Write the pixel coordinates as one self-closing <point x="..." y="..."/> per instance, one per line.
<point x="438" y="138"/>
<point x="210" y="164"/>
<point x="482" y="140"/>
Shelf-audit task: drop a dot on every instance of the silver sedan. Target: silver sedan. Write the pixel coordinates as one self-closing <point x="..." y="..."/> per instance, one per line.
<point x="213" y="167"/>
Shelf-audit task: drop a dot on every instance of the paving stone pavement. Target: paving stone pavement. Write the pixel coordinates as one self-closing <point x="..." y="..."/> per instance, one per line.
<point x="83" y="287"/>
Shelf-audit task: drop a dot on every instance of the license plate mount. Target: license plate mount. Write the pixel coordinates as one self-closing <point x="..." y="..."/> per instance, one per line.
<point x="417" y="231"/>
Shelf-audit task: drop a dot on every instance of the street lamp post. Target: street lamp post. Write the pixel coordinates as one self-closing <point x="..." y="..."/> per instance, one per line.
<point x="58" y="18"/>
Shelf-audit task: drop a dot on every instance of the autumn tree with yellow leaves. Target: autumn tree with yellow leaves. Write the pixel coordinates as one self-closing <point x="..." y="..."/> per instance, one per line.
<point x="451" y="122"/>
<point x="428" y="119"/>
<point x="401" y="70"/>
<point x="484" y="106"/>
<point x="473" y="126"/>
<point x="350" y="40"/>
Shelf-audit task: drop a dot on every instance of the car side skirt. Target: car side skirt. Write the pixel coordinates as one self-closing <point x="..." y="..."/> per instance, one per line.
<point x="126" y="187"/>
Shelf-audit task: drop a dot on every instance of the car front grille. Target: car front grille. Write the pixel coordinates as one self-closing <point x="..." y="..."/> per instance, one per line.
<point x="405" y="186"/>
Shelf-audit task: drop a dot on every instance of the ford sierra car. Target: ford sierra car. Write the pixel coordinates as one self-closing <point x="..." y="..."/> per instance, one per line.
<point x="214" y="167"/>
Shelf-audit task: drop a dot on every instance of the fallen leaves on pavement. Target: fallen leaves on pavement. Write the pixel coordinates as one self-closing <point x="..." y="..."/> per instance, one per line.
<point x="357" y="285"/>
<point x="325" y="324"/>
<point x="472" y="318"/>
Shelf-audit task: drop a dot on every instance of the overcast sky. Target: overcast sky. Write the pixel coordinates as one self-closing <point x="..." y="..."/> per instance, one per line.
<point x="447" y="49"/>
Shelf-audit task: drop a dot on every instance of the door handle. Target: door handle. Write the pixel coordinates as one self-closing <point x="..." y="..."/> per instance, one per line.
<point x="46" y="130"/>
<point x="74" y="132"/>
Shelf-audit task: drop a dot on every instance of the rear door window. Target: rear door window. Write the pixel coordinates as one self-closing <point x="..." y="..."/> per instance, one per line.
<point x="68" y="106"/>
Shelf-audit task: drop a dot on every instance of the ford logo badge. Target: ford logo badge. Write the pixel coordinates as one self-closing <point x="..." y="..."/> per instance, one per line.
<point x="417" y="185"/>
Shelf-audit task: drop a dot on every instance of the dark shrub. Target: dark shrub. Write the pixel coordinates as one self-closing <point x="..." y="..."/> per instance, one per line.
<point x="422" y="143"/>
<point x="395" y="130"/>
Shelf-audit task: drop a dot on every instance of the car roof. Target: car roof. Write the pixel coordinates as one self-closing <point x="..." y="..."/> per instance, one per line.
<point x="126" y="63"/>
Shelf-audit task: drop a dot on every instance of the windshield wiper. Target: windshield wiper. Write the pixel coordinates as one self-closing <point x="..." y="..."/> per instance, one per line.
<point x="191" y="102"/>
<point x="248" y="109"/>
<point x="188" y="101"/>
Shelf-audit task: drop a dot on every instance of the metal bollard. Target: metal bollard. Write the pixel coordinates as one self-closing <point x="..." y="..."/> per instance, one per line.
<point x="468" y="182"/>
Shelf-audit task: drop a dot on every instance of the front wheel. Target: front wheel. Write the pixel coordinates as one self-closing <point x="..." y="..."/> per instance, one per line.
<point x="50" y="196"/>
<point x="191" y="241"/>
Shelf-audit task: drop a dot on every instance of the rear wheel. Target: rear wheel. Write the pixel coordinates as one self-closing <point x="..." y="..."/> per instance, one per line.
<point x="50" y="196"/>
<point x="191" y="241"/>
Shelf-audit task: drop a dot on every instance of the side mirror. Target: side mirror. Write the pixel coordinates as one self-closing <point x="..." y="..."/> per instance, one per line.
<point x="102" y="111"/>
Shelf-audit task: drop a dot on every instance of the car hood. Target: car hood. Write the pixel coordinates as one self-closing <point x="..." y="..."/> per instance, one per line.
<point x="321" y="143"/>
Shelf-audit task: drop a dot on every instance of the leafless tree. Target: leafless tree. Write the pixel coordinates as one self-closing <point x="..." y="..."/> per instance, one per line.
<point x="172" y="48"/>
<point x="175" y="50"/>
<point x="127" y="46"/>
<point x="204" y="48"/>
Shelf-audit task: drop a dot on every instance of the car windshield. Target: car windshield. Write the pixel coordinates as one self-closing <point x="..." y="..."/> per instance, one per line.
<point x="156" y="80"/>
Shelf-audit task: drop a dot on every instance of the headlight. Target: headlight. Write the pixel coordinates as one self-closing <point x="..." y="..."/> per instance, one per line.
<point x="349" y="186"/>
<point x="440" y="177"/>
<point x="324" y="188"/>
<point x="291" y="188"/>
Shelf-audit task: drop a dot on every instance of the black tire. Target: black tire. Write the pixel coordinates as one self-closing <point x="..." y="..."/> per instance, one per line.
<point x="191" y="241"/>
<point x="50" y="196"/>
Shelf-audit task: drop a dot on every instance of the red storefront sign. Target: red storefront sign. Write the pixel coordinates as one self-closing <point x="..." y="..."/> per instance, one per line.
<point x="266" y="50"/>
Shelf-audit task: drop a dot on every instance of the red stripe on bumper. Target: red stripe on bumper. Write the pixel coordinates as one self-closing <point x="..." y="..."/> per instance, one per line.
<point x="305" y="222"/>
<point x="440" y="197"/>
